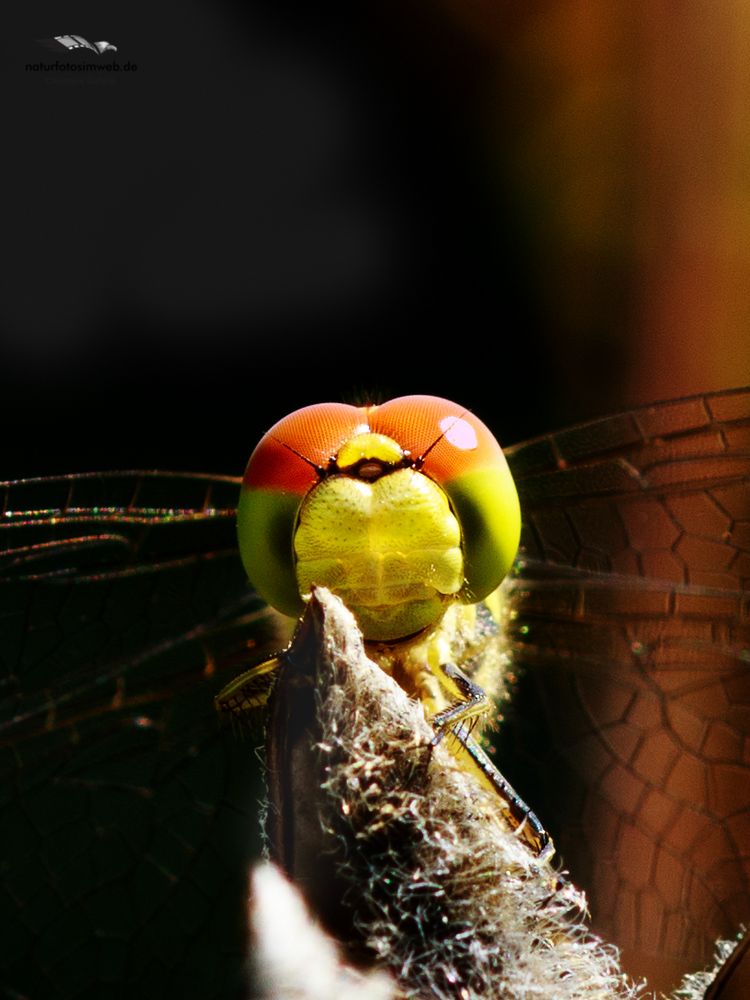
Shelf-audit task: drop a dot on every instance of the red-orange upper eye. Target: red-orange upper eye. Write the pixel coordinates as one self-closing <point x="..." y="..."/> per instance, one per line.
<point x="451" y="439"/>
<point x="289" y="454"/>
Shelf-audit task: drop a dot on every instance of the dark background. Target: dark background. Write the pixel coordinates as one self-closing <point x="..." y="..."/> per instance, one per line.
<point x="283" y="204"/>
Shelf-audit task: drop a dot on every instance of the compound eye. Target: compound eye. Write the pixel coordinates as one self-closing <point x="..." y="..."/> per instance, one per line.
<point x="285" y="465"/>
<point x="460" y="453"/>
<point x="290" y="454"/>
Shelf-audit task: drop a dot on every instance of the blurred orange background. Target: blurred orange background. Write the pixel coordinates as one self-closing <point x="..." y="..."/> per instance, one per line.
<point x="624" y="133"/>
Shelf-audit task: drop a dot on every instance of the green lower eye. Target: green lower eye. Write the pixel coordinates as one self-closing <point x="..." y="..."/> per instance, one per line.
<point x="265" y="530"/>
<point x="487" y="508"/>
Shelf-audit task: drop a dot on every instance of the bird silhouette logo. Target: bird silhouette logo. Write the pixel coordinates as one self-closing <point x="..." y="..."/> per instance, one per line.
<point x="74" y="42"/>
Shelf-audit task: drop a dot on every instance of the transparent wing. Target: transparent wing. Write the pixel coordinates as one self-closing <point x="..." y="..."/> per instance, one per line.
<point x="127" y="815"/>
<point x="629" y="621"/>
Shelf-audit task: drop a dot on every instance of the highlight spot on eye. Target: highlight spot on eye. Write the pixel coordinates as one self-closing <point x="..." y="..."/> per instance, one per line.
<point x="460" y="433"/>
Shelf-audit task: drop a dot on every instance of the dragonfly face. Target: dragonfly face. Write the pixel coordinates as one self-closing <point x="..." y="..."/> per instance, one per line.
<point x="400" y="509"/>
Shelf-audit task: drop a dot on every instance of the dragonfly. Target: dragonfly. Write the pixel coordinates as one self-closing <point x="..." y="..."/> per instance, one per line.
<point x="128" y="812"/>
<point x="408" y="512"/>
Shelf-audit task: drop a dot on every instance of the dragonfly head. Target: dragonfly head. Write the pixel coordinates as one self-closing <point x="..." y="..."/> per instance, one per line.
<point x="400" y="509"/>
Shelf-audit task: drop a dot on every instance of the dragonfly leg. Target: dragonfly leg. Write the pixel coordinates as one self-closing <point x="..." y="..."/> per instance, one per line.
<point x="525" y="824"/>
<point x="248" y="691"/>
<point x="461" y="717"/>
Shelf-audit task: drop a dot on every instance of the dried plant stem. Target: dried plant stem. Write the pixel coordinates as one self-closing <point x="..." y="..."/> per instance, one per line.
<point x="406" y="861"/>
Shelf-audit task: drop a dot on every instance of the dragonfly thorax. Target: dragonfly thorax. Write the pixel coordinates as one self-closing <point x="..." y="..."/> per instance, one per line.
<point x="390" y="548"/>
